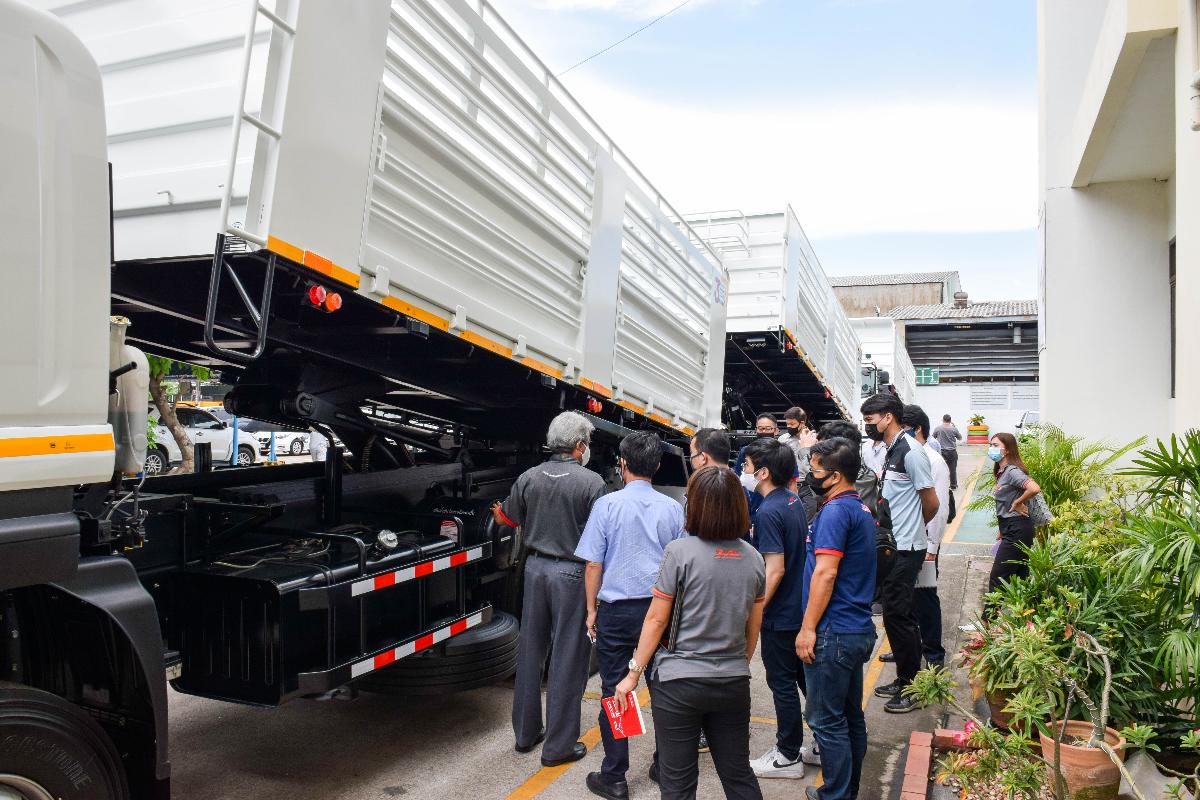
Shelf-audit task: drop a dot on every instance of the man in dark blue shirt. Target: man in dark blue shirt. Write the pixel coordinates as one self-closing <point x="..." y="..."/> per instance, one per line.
<point x="837" y="635"/>
<point x="780" y="528"/>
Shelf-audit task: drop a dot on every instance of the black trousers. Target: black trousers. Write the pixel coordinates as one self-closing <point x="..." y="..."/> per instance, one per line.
<point x="1010" y="559"/>
<point x="618" y="628"/>
<point x="721" y="708"/>
<point x="899" y="617"/>
<point x="951" y="459"/>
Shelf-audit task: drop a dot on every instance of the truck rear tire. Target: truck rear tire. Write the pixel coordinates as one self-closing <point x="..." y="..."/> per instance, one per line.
<point x="479" y="657"/>
<point x="53" y="750"/>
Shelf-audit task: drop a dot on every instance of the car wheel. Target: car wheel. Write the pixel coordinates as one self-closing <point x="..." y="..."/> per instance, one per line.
<point x="297" y="446"/>
<point x="156" y="461"/>
<point x="245" y="457"/>
<point x="52" y="750"/>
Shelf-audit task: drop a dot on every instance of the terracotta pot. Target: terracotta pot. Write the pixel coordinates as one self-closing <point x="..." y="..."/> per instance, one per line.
<point x="1089" y="773"/>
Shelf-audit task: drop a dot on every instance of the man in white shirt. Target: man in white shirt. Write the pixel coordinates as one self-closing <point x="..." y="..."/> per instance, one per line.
<point x="926" y="604"/>
<point x="874" y="455"/>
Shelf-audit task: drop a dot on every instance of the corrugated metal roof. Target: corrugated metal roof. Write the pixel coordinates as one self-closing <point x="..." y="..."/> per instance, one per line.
<point x="893" y="279"/>
<point x="1000" y="308"/>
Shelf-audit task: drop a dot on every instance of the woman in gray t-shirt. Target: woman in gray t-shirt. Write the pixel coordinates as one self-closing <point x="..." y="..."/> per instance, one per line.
<point x="1014" y="487"/>
<point x="699" y="658"/>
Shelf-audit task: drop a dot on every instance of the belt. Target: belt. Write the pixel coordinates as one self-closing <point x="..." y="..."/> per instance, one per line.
<point x="554" y="558"/>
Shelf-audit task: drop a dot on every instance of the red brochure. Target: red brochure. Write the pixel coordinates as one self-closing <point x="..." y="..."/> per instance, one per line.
<point x="628" y="724"/>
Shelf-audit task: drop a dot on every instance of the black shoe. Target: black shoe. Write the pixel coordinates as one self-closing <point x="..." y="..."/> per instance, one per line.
<point x="703" y="746"/>
<point x="937" y="663"/>
<point x="812" y="793"/>
<point x="605" y="787"/>
<point x="901" y="704"/>
<point x="653" y="773"/>
<point x="577" y="752"/>
<point x="889" y="689"/>
<point x="541" y="737"/>
<point x="888" y="658"/>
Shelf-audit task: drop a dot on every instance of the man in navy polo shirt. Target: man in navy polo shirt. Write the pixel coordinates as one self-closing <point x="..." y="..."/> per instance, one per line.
<point x="780" y="528"/>
<point x="836" y="636"/>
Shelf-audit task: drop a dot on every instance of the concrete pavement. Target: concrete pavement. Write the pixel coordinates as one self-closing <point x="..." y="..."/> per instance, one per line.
<point x="377" y="747"/>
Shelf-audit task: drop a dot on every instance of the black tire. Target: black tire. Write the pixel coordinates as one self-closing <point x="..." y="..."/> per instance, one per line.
<point x="157" y="461"/>
<point x="245" y="455"/>
<point x="296" y="447"/>
<point x="479" y="657"/>
<point x="57" y="747"/>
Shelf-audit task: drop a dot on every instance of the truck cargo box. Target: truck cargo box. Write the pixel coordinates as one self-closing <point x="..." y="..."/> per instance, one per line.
<point x="777" y="287"/>
<point x="419" y="153"/>
<point x="883" y="348"/>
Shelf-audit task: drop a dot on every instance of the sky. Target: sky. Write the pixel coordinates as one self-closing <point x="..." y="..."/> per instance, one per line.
<point x="902" y="132"/>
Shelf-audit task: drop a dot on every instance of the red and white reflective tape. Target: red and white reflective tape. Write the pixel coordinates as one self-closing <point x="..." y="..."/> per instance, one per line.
<point x="412" y="573"/>
<point x="405" y="650"/>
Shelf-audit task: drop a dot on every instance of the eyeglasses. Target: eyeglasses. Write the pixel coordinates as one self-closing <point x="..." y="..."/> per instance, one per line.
<point x="694" y="456"/>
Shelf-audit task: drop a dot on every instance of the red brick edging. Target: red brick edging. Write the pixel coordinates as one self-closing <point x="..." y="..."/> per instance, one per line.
<point x="916" y="766"/>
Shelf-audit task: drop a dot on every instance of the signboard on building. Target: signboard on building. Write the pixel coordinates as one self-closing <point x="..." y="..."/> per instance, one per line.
<point x="985" y="396"/>
<point x="928" y="376"/>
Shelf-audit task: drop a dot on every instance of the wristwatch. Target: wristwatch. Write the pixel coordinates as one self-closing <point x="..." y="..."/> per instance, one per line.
<point x="633" y="667"/>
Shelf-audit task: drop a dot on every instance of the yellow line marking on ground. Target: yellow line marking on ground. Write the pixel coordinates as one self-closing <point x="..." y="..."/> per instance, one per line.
<point x="544" y="777"/>
<point x="952" y="531"/>
<point x="764" y="720"/>
<point x="873" y="670"/>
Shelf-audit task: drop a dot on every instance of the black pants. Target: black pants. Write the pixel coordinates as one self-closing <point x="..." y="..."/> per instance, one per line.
<point x="1010" y="559"/>
<point x="785" y="676"/>
<point x="899" y="618"/>
<point x="618" y="627"/>
<point x="928" y="609"/>
<point x="721" y="708"/>
<point x="951" y="458"/>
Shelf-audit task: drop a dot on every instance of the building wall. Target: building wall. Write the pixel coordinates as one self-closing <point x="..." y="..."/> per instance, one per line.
<point x="1105" y="357"/>
<point x="1001" y="404"/>
<point x="861" y="301"/>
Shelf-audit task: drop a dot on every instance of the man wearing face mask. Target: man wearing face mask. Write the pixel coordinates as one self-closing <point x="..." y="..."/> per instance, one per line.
<point x="623" y="545"/>
<point x="912" y="502"/>
<point x="764" y="428"/>
<point x="798" y="437"/>
<point x="551" y="503"/>
<point x="780" y="528"/>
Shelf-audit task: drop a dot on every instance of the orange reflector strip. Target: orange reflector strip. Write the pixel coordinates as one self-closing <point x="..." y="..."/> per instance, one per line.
<point x="417" y="313"/>
<point x="486" y="343"/>
<point x="542" y="367"/>
<point x="660" y="419"/>
<point x="313" y="261"/>
<point x="599" y="389"/>
<point x="54" y="445"/>
<point x="634" y="408"/>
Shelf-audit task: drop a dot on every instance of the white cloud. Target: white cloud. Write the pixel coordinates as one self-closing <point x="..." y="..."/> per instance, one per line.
<point x="934" y="165"/>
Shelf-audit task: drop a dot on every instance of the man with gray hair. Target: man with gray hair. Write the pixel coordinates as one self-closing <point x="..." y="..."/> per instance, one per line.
<point x="551" y="503"/>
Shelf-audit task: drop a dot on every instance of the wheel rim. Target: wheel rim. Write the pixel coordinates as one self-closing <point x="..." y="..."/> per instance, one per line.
<point x="244" y="458"/>
<point x="153" y="466"/>
<point x="296" y="447"/>
<point x="15" y="787"/>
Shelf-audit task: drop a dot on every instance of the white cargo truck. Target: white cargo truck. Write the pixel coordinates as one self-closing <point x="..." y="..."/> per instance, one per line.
<point x="886" y="366"/>
<point x="383" y="220"/>
<point x="788" y="340"/>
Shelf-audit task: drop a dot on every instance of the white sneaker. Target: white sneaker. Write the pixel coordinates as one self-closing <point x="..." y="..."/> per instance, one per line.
<point x="811" y="755"/>
<point x="774" y="765"/>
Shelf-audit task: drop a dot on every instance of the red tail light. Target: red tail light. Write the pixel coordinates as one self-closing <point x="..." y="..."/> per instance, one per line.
<point x="317" y="295"/>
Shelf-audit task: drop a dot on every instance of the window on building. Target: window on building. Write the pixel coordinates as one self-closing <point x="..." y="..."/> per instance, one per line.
<point x="1171" y="281"/>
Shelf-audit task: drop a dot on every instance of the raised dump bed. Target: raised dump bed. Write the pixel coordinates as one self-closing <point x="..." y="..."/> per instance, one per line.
<point x="789" y="342"/>
<point x="418" y="153"/>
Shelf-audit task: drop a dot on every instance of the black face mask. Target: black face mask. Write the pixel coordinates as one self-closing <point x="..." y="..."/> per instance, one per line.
<point x="794" y="430"/>
<point x="873" y="432"/>
<point x="816" y="484"/>
<point x="765" y="436"/>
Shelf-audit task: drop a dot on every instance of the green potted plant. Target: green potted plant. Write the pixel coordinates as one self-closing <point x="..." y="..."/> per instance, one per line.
<point x="977" y="431"/>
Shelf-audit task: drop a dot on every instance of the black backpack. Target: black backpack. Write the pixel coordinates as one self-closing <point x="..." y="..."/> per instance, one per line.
<point x="870" y="490"/>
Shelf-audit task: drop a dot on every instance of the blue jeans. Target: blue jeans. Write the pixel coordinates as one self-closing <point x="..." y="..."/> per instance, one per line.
<point x="785" y="676"/>
<point x="835" y="714"/>
<point x="618" y="628"/>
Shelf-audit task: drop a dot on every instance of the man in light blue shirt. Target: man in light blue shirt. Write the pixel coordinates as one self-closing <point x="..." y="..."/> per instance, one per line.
<point x="623" y="545"/>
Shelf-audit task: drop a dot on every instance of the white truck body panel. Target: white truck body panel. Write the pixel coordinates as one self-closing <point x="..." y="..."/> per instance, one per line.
<point x="776" y="282"/>
<point x="53" y="351"/>
<point x="883" y="343"/>
<point x="418" y="152"/>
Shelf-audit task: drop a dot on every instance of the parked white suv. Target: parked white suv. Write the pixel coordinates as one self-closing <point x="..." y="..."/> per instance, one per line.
<point x="286" y="442"/>
<point x="202" y="426"/>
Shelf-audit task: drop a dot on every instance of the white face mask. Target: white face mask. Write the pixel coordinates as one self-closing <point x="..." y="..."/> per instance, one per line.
<point x="587" y="455"/>
<point x="749" y="481"/>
